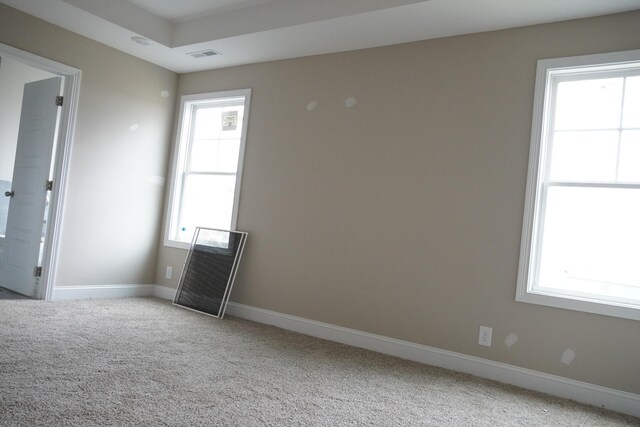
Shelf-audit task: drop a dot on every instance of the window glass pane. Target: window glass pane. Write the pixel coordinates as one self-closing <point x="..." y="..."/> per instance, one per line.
<point x="203" y="155"/>
<point x="228" y="152"/>
<point x="213" y="155"/>
<point x="207" y="201"/>
<point x="590" y="241"/>
<point x="214" y="122"/>
<point x="588" y="104"/>
<point x="629" y="169"/>
<point x="631" y="116"/>
<point x="584" y="156"/>
<point x="207" y="123"/>
<point x="216" y="138"/>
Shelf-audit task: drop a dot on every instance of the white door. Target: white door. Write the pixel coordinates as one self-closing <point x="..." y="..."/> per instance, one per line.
<point x="36" y="137"/>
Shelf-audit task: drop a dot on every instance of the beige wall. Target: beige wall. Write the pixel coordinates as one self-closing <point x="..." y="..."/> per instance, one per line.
<point x="402" y="215"/>
<point x="113" y="210"/>
<point x="13" y="76"/>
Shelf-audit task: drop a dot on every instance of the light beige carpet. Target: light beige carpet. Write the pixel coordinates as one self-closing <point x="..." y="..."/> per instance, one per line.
<point x="144" y="362"/>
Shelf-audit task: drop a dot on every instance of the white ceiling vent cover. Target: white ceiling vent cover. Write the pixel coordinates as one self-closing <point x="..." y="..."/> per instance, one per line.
<point x="203" y="54"/>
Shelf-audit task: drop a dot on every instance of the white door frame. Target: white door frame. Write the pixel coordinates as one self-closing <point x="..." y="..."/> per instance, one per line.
<point x="62" y="159"/>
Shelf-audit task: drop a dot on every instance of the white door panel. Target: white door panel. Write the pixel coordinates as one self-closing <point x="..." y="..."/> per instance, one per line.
<point x="36" y="137"/>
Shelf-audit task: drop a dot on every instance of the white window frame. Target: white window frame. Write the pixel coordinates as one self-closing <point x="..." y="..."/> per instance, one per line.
<point x="181" y="146"/>
<point x="547" y="71"/>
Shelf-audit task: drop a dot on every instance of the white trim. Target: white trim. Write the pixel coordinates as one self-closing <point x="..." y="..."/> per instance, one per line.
<point x="593" y="61"/>
<point x="36" y="61"/>
<point x="67" y="126"/>
<point x="102" y="292"/>
<point x="164" y="292"/>
<point x="59" y="193"/>
<point x="113" y="291"/>
<point x="605" y="397"/>
<point x="548" y="73"/>
<point x="179" y="154"/>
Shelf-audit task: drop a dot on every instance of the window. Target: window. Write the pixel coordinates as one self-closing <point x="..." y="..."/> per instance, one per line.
<point x="581" y="230"/>
<point x="207" y="164"/>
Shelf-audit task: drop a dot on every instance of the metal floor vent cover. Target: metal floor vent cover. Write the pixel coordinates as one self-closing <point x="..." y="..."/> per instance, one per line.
<point x="209" y="271"/>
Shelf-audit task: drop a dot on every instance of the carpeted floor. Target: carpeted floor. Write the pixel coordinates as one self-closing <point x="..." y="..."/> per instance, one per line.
<point x="144" y="362"/>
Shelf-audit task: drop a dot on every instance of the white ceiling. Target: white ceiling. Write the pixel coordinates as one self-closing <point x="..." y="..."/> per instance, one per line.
<point x="250" y="31"/>
<point x="182" y="11"/>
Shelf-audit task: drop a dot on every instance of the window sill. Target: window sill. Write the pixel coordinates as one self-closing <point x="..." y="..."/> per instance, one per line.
<point x="176" y="244"/>
<point x="605" y="308"/>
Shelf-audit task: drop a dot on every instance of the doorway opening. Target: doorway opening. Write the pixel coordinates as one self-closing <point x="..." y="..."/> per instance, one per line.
<point x="38" y="111"/>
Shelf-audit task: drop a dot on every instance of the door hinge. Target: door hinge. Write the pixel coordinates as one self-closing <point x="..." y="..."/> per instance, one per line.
<point x="49" y="185"/>
<point x="59" y="100"/>
<point x="37" y="272"/>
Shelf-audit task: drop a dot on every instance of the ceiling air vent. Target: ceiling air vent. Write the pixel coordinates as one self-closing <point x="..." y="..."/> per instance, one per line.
<point x="203" y="54"/>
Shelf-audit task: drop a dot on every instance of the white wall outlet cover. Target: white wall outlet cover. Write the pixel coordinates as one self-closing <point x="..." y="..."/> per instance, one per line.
<point x="484" y="337"/>
<point x="169" y="272"/>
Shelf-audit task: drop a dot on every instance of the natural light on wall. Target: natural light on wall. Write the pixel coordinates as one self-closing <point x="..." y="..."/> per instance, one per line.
<point x="581" y="233"/>
<point x="208" y="164"/>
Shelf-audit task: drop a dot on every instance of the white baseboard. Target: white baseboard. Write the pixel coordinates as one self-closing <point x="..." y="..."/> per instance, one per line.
<point x="616" y="400"/>
<point x="101" y="292"/>
<point x="164" y="292"/>
<point x="112" y="291"/>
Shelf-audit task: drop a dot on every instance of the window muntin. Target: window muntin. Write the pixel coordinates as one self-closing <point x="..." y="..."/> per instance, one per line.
<point x="208" y="164"/>
<point x="582" y="218"/>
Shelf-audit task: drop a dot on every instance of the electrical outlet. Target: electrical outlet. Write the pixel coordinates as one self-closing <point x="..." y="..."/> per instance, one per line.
<point x="168" y="272"/>
<point x="484" y="337"/>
